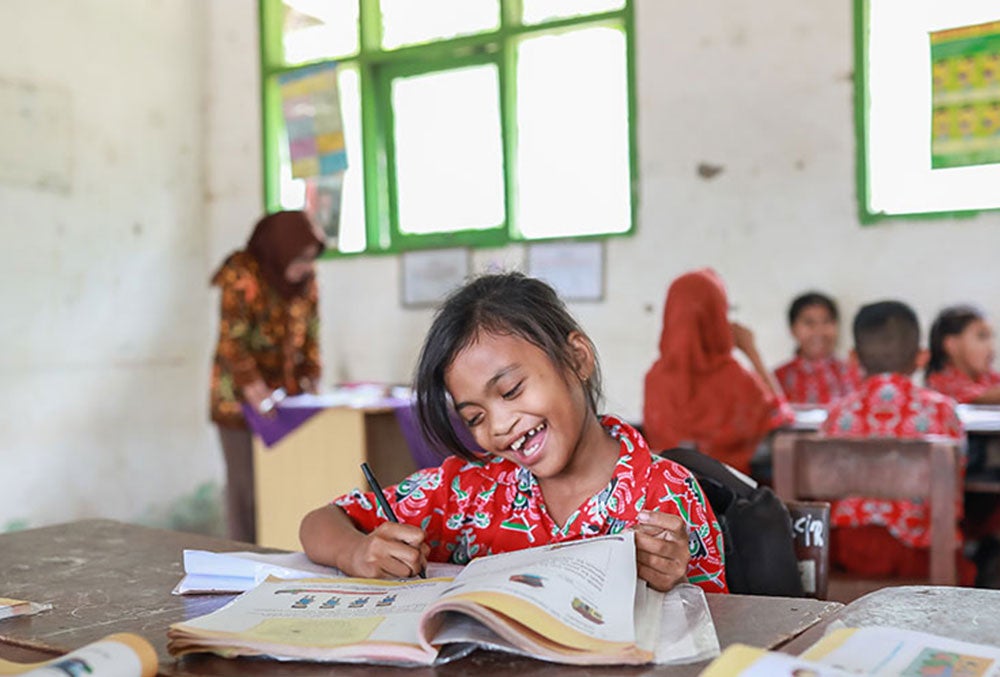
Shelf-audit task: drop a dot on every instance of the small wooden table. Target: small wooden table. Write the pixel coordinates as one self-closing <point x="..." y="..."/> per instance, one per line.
<point x="321" y="460"/>
<point x="104" y="576"/>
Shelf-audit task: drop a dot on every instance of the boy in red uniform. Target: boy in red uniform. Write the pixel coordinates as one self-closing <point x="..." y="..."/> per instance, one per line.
<point x="874" y="537"/>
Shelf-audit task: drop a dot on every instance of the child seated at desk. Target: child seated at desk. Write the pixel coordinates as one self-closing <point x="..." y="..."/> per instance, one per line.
<point x="873" y="537"/>
<point x="962" y="354"/>
<point x="815" y="375"/>
<point x="696" y="391"/>
<point x="505" y="354"/>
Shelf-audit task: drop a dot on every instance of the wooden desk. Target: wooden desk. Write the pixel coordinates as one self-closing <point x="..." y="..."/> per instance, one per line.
<point x="967" y="614"/>
<point x="321" y="460"/>
<point x="104" y="576"/>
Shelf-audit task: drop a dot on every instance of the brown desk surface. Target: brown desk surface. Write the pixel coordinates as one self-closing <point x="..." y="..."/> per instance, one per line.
<point x="966" y="614"/>
<point x="104" y="576"/>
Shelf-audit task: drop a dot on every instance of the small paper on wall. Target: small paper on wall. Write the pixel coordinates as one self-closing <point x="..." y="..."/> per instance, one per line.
<point x="310" y="104"/>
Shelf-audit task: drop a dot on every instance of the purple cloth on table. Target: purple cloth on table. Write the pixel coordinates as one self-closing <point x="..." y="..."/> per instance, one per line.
<point x="274" y="428"/>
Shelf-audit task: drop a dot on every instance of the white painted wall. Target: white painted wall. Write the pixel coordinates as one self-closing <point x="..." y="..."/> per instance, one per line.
<point x="103" y="342"/>
<point x="108" y="322"/>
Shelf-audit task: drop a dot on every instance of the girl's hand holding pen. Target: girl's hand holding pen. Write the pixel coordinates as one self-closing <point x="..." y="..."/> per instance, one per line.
<point x="392" y="550"/>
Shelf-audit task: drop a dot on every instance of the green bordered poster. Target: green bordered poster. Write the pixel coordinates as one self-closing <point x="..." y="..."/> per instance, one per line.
<point x="965" y="69"/>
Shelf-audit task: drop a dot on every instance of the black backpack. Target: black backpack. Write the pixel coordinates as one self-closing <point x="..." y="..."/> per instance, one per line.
<point x="760" y="550"/>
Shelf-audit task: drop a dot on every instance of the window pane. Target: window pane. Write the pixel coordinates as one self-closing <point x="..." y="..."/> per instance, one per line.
<point x="319" y="29"/>
<point x="536" y="11"/>
<point x="321" y="193"/>
<point x="573" y="141"/>
<point x="406" y="22"/>
<point x="449" y="157"/>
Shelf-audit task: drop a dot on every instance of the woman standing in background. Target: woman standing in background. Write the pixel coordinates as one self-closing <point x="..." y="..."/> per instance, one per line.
<point x="268" y="340"/>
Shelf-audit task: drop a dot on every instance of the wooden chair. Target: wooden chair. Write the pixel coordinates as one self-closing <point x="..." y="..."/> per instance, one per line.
<point x="826" y="468"/>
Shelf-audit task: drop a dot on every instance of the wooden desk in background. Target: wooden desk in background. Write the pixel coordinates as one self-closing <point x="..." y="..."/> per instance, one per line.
<point x="966" y="614"/>
<point x="321" y="460"/>
<point x="103" y="577"/>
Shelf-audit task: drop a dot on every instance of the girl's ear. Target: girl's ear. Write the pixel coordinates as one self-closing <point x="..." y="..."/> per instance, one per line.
<point x="950" y="345"/>
<point x="583" y="355"/>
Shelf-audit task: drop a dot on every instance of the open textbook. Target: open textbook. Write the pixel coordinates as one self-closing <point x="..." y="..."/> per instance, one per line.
<point x="227" y="572"/>
<point x="864" y="651"/>
<point x="121" y="655"/>
<point x="577" y="602"/>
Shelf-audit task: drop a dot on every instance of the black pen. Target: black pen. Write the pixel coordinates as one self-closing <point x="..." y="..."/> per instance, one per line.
<point x="382" y="502"/>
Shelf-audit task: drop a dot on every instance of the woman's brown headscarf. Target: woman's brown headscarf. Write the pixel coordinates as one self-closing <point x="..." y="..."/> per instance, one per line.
<point x="277" y="240"/>
<point x="697" y="391"/>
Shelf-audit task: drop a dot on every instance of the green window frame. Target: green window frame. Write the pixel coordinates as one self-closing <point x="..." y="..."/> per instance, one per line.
<point x="379" y="67"/>
<point x="870" y="182"/>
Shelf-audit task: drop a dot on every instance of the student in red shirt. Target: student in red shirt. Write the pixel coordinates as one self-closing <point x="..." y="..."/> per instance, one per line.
<point x="815" y="375"/>
<point x="506" y="356"/>
<point x="697" y="391"/>
<point x="961" y="363"/>
<point x="961" y="366"/>
<point x="874" y="537"/>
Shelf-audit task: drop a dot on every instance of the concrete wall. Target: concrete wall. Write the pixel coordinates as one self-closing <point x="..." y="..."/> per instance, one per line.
<point x="108" y="321"/>
<point x="103" y="345"/>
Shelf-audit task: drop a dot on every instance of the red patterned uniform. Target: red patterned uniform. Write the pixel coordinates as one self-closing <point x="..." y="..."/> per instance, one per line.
<point x="878" y="537"/>
<point x="816" y="381"/>
<point x="959" y="385"/>
<point x="471" y="509"/>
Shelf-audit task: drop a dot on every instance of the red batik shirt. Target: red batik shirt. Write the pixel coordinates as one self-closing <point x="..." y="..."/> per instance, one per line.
<point x="961" y="386"/>
<point x="816" y="381"/>
<point x="890" y="405"/>
<point x="471" y="509"/>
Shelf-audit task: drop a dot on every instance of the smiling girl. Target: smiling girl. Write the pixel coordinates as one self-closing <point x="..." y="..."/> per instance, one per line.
<point x="506" y="356"/>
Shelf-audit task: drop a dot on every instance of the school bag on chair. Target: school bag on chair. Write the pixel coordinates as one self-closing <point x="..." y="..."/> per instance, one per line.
<point x="759" y="544"/>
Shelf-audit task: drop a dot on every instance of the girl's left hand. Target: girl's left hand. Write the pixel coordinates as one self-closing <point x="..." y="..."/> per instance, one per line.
<point x="661" y="545"/>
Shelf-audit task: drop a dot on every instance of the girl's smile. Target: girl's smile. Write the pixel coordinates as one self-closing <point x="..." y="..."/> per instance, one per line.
<point x="522" y="406"/>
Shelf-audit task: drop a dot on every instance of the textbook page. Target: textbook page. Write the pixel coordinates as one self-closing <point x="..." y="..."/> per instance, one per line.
<point x="588" y="587"/>
<point x="317" y="619"/>
<point x="879" y="650"/>
<point x="875" y="651"/>
<point x="740" y="660"/>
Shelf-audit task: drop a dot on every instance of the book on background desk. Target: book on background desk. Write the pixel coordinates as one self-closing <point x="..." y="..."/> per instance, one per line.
<point x="577" y="602"/>
<point x="229" y="572"/>
<point x="875" y="650"/>
<point x="19" y="607"/>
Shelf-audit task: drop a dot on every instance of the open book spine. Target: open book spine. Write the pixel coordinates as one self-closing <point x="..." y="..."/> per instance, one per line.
<point x="546" y="638"/>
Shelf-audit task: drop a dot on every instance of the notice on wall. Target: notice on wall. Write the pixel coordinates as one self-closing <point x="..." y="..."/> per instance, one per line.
<point x="965" y="67"/>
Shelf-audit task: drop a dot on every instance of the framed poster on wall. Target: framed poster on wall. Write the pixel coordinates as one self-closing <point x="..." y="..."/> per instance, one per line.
<point x="927" y="90"/>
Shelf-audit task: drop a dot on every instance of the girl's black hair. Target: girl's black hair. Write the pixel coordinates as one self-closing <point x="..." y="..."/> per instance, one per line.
<point x="501" y="304"/>
<point x="950" y="322"/>
<point x="812" y="298"/>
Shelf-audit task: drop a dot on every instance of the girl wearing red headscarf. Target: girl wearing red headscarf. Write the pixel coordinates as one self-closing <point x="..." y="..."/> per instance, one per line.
<point x="696" y="392"/>
<point x="268" y="339"/>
